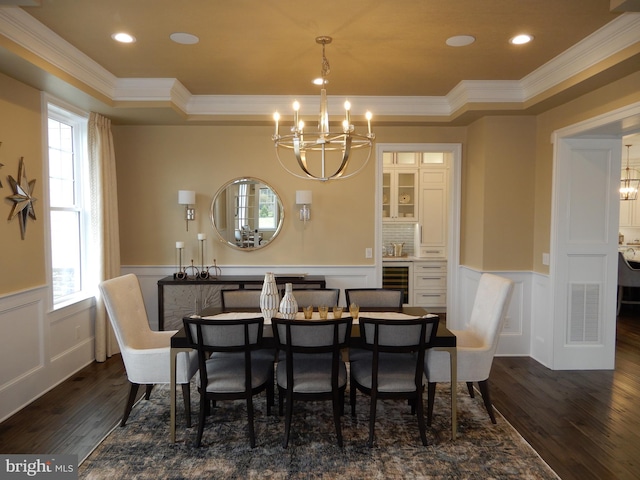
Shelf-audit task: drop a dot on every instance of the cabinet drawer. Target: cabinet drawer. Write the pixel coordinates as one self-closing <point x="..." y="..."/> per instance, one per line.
<point x="429" y="268"/>
<point x="432" y="252"/>
<point x="426" y="298"/>
<point x="436" y="281"/>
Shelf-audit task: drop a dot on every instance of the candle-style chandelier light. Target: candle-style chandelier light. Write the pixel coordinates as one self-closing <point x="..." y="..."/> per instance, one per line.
<point x="324" y="155"/>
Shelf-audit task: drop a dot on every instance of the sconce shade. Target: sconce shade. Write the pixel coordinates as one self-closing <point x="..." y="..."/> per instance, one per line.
<point x="303" y="197"/>
<point x="186" y="197"/>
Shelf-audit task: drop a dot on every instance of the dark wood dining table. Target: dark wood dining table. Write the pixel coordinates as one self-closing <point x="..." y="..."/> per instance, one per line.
<point x="445" y="340"/>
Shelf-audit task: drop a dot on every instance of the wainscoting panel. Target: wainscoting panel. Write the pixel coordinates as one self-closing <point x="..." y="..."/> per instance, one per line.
<point x="38" y="350"/>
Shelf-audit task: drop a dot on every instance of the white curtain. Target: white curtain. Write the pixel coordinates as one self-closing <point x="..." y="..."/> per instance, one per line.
<point x="104" y="207"/>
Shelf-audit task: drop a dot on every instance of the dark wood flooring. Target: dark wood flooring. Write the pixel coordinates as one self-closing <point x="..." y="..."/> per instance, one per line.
<point x="584" y="424"/>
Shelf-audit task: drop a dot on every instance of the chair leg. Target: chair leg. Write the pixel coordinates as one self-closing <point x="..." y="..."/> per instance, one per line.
<point x="472" y="394"/>
<point x="270" y="394"/>
<point x="133" y="391"/>
<point x="201" y="418"/>
<point x="337" y="410"/>
<point x="372" y="418"/>
<point x="431" y="392"/>
<point x="147" y="394"/>
<point x="484" y="390"/>
<point x="252" y="433"/>
<point x="287" y="418"/>
<point x="420" y="413"/>
<point x="186" y="397"/>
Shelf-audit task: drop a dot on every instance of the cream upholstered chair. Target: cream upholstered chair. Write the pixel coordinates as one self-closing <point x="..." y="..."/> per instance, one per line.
<point x="394" y="366"/>
<point x="476" y="345"/>
<point x="240" y="299"/>
<point x="145" y="352"/>
<point x="377" y="298"/>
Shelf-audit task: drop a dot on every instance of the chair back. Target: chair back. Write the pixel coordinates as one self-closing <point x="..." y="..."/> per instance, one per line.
<point x="377" y="298"/>
<point x="123" y="300"/>
<point x="231" y="335"/>
<point x="315" y="297"/>
<point x="490" y="308"/>
<point x="240" y="299"/>
<point x="304" y="336"/>
<point x="398" y="336"/>
<point x="627" y="276"/>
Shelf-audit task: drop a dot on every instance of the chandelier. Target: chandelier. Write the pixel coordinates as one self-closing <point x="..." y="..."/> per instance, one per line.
<point x="325" y="154"/>
<point x="628" y="184"/>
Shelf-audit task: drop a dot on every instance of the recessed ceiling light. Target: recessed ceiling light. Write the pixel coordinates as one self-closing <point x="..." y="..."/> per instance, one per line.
<point x="460" y="40"/>
<point x="123" y="37"/>
<point x="521" y="39"/>
<point x="184" y="38"/>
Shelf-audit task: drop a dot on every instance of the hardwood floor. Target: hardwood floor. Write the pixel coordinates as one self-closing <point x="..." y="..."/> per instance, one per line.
<point x="584" y="424"/>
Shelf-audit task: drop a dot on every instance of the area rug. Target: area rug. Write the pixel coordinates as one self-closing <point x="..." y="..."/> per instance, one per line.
<point x="142" y="449"/>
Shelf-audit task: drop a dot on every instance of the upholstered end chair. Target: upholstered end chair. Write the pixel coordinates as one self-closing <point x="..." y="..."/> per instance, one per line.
<point x="476" y="345"/>
<point x="145" y="353"/>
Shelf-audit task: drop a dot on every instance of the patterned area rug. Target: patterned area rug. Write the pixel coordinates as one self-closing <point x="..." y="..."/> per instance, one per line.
<point x="142" y="450"/>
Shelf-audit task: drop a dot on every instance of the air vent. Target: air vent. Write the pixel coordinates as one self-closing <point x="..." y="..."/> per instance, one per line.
<point x="584" y="314"/>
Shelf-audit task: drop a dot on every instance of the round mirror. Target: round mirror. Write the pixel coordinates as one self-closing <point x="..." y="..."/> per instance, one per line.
<point x="247" y="213"/>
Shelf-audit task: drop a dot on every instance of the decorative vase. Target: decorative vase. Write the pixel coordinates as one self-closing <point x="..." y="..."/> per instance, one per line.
<point x="288" y="304"/>
<point x="269" y="297"/>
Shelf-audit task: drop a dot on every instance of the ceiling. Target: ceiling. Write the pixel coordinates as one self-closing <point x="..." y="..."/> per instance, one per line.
<point x="390" y="57"/>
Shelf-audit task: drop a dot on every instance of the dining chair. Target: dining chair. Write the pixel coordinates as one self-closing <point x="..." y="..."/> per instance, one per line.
<point x="311" y="367"/>
<point x="476" y="345"/>
<point x="240" y="299"/>
<point x="387" y="298"/>
<point x="232" y="364"/>
<point x="315" y="296"/>
<point x="394" y="366"/>
<point x="145" y="353"/>
<point x="627" y="277"/>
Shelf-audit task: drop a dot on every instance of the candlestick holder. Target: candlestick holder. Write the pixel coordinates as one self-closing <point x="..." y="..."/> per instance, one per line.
<point x="203" y="273"/>
<point x="180" y="274"/>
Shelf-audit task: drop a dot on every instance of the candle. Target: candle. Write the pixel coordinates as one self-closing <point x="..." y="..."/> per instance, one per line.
<point x="202" y="236"/>
<point x="368" y="115"/>
<point x="276" y="117"/>
<point x="347" y="107"/>
<point x="296" y="107"/>
<point x="179" y="244"/>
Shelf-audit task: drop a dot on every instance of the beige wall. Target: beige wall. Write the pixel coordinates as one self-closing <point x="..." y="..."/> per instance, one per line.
<point x="21" y="261"/>
<point x="500" y="227"/>
<point x="153" y="163"/>
<point x="498" y="194"/>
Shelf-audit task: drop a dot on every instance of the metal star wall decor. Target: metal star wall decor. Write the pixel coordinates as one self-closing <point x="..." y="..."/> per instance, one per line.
<point x="22" y="198"/>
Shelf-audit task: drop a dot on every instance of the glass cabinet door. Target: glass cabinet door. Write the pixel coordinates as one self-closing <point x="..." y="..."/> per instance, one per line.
<point x="399" y="195"/>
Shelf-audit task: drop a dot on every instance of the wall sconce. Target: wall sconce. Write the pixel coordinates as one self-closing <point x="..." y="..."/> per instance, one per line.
<point x="303" y="197"/>
<point x="188" y="198"/>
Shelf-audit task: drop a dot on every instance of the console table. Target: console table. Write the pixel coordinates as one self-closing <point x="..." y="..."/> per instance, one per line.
<point x="186" y="296"/>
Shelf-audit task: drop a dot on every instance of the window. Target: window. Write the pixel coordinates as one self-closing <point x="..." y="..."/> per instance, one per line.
<point x="268" y="213"/>
<point x="68" y="203"/>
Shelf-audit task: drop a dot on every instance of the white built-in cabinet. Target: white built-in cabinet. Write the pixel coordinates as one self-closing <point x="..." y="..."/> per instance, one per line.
<point x="430" y="284"/>
<point x="415" y="189"/>
<point x="630" y="213"/>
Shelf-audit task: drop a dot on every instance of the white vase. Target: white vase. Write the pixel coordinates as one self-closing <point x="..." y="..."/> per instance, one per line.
<point x="269" y="297"/>
<point x="288" y="304"/>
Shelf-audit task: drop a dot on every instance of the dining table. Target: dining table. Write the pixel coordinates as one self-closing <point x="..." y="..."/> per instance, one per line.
<point x="445" y="340"/>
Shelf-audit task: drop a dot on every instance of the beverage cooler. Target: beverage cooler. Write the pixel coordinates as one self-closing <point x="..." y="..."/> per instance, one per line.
<point x="398" y="275"/>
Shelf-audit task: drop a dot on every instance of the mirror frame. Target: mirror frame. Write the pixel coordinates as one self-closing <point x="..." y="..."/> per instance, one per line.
<point x="223" y="191"/>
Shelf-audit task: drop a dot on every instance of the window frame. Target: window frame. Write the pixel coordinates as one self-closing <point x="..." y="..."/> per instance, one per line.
<point x="65" y="113"/>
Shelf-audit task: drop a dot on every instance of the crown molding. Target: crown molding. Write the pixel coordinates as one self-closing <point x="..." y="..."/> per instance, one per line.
<point x="26" y="32"/>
